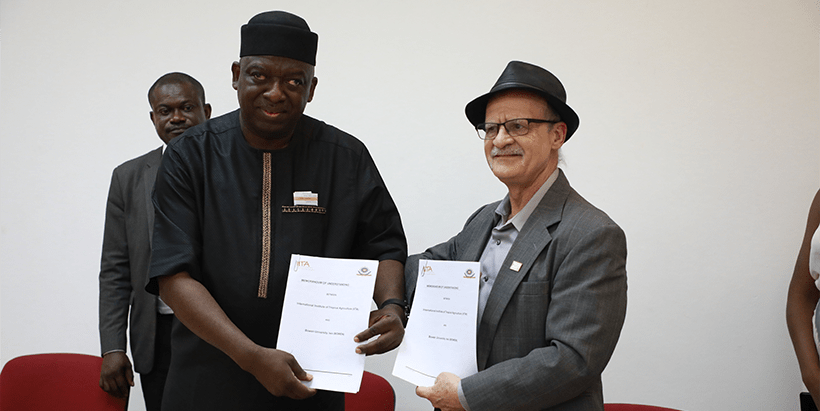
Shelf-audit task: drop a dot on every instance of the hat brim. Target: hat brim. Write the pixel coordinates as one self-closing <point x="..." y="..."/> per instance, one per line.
<point x="476" y="110"/>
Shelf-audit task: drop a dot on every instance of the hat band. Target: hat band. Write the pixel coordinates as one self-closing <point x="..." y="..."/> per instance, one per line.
<point x="279" y="40"/>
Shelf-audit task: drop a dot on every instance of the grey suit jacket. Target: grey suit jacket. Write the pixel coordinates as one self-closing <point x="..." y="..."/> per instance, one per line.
<point x="549" y="328"/>
<point x="126" y="258"/>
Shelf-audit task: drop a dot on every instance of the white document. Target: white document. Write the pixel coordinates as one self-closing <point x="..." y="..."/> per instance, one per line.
<point x="441" y="331"/>
<point x="327" y="302"/>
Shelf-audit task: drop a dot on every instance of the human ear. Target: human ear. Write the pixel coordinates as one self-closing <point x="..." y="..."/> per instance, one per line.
<point x="235" y="75"/>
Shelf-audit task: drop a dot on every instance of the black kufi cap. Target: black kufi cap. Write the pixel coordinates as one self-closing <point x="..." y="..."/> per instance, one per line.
<point x="279" y="33"/>
<point x="525" y="76"/>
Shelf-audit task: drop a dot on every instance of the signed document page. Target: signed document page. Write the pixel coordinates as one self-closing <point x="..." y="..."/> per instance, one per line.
<point x="441" y="331"/>
<point x="327" y="302"/>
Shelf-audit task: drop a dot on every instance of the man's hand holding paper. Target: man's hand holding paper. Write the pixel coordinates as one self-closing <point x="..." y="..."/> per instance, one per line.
<point x="280" y="373"/>
<point x="386" y="323"/>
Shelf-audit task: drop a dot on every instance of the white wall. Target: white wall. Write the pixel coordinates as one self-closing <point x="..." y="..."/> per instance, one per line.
<point x="699" y="135"/>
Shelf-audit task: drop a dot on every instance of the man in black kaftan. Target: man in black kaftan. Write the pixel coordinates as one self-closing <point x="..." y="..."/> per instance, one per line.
<point x="227" y="224"/>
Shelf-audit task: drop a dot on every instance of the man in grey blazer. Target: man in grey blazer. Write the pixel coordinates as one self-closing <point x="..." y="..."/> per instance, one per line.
<point x="552" y="295"/>
<point x="177" y="103"/>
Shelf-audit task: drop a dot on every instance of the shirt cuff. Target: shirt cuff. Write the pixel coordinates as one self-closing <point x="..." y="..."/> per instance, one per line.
<point x="461" y="398"/>
<point x="110" y="351"/>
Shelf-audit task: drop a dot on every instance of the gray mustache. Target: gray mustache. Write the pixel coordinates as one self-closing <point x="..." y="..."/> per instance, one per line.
<point x="506" y="151"/>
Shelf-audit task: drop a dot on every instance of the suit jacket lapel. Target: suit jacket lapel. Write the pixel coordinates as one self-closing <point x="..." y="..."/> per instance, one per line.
<point x="532" y="239"/>
<point x="149" y="176"/>
<point x="479" y="230"/>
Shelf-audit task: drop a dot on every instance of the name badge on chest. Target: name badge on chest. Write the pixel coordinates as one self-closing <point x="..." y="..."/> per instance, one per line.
<point x="305" y="198"/>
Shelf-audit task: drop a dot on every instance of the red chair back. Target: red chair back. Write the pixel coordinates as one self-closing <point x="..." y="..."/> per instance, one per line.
<point x="375" y="394"/>
<point x="67" y="382"/>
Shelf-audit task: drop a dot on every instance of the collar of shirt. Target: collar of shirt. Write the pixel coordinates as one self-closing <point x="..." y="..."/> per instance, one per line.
<point x="501" y="240"/>
<point x="503" y="209"/>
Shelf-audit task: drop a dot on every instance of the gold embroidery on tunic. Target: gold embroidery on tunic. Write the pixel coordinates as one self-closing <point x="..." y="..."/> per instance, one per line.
<point x="266" y="194"/>
<point x="304" y="209"/>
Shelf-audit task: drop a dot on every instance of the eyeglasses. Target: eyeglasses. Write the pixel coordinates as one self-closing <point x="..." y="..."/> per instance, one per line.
<point x="515" y="127"/>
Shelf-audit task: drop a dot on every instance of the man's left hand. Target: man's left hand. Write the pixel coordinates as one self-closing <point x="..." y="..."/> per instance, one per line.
<point x="387" y="324"/>
<point x="444" y="392"/>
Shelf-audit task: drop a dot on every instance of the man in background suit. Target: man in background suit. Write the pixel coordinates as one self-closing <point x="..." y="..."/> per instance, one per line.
<point x="177" y="103"/>
<point x="552" y="295"/>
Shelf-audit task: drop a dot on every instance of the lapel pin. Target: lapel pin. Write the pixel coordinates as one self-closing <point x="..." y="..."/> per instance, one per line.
<point x="515" y="266"/>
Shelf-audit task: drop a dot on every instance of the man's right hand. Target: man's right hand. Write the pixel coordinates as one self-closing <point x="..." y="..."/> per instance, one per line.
<point x="116" y="377"/>
<point x="279" y="373"/>
<point x="196" y="308"/>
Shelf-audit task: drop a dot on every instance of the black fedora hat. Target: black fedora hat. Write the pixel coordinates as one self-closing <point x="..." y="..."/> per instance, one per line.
<point x="520" y="75"/>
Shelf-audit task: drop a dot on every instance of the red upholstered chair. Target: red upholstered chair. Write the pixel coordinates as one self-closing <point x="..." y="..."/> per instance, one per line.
<point x="67" y="382"/>
<point x="375" y="394"/>
<point x="634" y="407"/>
